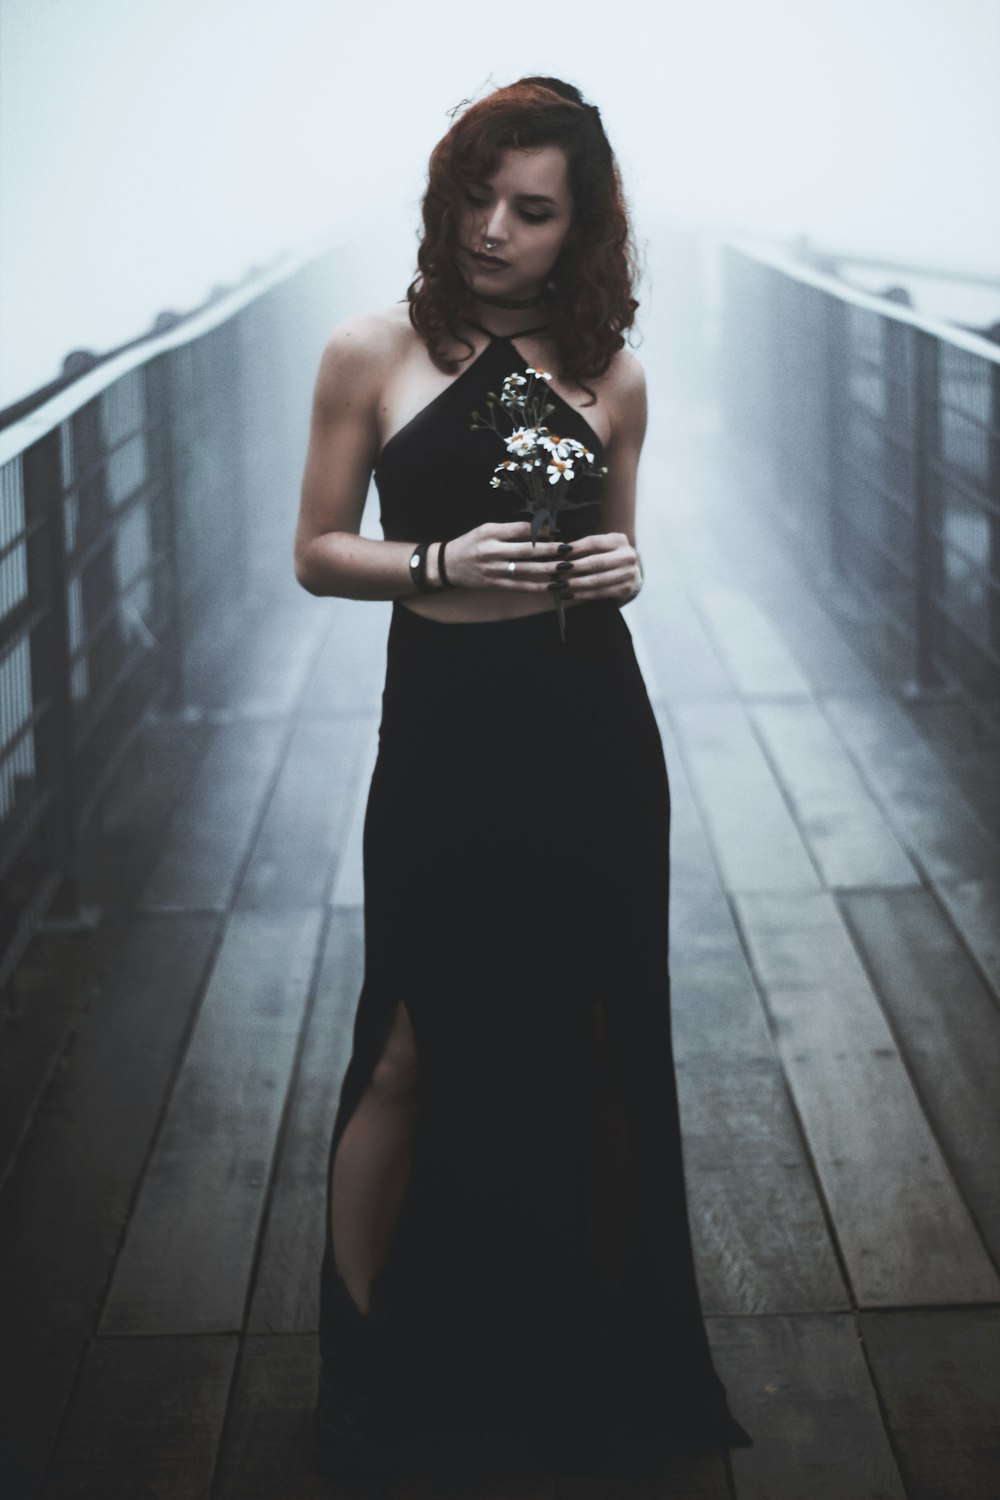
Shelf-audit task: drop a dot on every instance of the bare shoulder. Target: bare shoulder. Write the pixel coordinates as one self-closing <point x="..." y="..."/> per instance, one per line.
<point x="623" y="388"/>
<point x="360" y="350"/>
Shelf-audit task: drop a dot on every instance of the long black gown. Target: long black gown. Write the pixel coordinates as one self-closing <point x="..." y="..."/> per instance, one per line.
<point x="516" y="881"/>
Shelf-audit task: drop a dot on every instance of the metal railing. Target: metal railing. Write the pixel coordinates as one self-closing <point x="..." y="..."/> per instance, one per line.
<point x="880" y="433"/>
<point x="126" y="505"/>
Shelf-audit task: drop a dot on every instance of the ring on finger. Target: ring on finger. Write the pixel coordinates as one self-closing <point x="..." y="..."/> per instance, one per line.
<point x="512" y="568"/>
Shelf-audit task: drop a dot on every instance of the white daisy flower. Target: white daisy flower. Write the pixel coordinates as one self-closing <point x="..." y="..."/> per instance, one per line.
<point x="515" y="380"/>
<point x="494" y="483"/>
<point x="523" y="440"/>
<point x="542" y="374"/>
<point x="559" y="469"/>
<point x="559" y="447"/>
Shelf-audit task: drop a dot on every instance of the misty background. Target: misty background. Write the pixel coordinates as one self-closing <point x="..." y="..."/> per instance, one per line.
<point x="149" y="152"/>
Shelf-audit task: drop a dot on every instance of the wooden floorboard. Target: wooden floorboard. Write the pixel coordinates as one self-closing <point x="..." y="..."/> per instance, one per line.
<point x="67" y="1204"/>
<point x="938" y="1375"/>
<point x="186" y="1261"/>
<point x="835" y="974"/>
<point x="301" y="838"/>
<point x="948" y="1029"/>
<point x="921" y="801"/>
<point x="286" y="1292"/>
<point x="146" y="1421"/>
<point x="841" y="824"/>
<point x="904" y="1229"/>
<point x="974" y="907"/>
<point x="801" y="1388"/>
<point x="755" y="838"/>
<point x="210" y="836"/>
<point x="762" y="1242"/>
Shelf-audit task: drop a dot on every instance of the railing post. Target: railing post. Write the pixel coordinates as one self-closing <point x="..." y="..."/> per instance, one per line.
<point x="837" y="376"/>
<point x="159" y="400"/>
<point x="50" y="666"/>
<point x="993" y="517"/>
<point x="927" y="554"/>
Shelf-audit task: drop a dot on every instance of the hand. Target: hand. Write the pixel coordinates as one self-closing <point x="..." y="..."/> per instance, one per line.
<point x="605" y="566"/>
<point x="478" y="559"/>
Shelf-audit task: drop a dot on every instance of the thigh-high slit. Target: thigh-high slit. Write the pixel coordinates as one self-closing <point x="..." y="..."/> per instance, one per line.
<point x="516" y="881"/>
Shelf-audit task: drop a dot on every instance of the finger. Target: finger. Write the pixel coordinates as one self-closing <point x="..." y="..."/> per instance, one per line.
<point x="510" y="530"/>
<point x="605" y="579"/>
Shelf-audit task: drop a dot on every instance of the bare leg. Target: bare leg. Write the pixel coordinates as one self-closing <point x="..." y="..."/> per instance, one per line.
<point x="372" y="1164"/>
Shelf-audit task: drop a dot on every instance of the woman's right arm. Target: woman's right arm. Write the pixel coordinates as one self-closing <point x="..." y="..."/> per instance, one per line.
<point x="330" y="556"/>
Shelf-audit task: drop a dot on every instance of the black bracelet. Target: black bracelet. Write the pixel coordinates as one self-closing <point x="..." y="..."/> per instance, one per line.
<point x="446" y="582"/>
<point x="418" y="568"/>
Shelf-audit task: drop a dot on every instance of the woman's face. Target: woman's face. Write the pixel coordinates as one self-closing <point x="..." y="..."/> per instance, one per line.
<point x="525" y="210"/>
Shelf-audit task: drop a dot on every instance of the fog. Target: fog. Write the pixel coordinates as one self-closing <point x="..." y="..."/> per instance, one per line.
<point x="151" y="150"/>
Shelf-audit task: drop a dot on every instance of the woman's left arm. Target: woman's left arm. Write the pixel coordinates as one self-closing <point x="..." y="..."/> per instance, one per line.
<point x="607" y="566"/>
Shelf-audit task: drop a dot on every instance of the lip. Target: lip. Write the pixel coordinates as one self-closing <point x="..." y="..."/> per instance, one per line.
<point x="488" y="262"/>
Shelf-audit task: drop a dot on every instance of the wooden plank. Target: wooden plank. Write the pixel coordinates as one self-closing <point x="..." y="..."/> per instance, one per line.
<point x="348" y="674"/>
<point x="919" y="797"/>
<point x="186" y="1260"/>
<point x="81" y="1162"/>
<point x="755" y="840"/>
<point x="816" y="616"/>
<point x="755" y="654"/>
<point x="970" y="751"/>
<point x="801" y="1388"/>
<point x="760" y="1236"/>
<point x="759" y="1231"/>
<point x="209" y="837"/>
<point x="136" y="813"/>
<point x="692" y="863"/>
<point x="258" y="665"/>
<point x="850" y="840"/>
<point x="938" y="1374"/>
<point x="265" y="1453"/>
<point x="904" y="1230"/>
<point x="146" y="1420"/>
<point x="48" y="985"/>
<point x="684" y="662"/>
<point x="974" y="907"/>
<point x="52" y="977"/>
<point x="286" y="1293"/>
<point x="349" y="885"/>
<point x="949" y="1029"/>
<point x="301" y="838"/>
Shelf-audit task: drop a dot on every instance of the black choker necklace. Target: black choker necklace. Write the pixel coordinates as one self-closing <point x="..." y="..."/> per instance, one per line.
<point x="516" y="304"/>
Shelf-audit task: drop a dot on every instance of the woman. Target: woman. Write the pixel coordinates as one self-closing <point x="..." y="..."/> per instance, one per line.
<point x="507" y="1244"/>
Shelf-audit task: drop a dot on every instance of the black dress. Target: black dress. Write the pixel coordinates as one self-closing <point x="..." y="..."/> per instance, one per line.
<point x="516" y="878"/>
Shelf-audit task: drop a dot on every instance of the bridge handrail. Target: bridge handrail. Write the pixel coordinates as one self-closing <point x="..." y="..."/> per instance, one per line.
<point x="949" y="333"/>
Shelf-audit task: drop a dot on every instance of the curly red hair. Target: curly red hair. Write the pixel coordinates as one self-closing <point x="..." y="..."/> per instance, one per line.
<point x="591" y="304"/>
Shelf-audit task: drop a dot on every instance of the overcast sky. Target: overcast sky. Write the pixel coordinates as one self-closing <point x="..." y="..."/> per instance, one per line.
<point x="152" y="148"/>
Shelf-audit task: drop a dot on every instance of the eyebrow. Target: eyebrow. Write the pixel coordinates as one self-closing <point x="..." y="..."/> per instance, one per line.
<point x="537" y="198"/>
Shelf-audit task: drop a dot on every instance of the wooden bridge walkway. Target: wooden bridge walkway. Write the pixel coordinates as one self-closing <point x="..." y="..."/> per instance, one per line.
<point x="169" y="1084"/>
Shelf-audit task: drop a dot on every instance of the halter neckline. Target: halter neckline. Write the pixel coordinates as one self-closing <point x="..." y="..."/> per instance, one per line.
<point x="522" y="333"/>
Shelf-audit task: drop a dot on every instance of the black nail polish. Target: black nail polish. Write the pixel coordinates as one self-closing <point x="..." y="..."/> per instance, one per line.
<point x="564" y="547"/>
<point x="553" y="585"/>
<point x="562" y="566"/>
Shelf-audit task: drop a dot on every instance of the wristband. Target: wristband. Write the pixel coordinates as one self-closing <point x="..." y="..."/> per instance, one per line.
<point x="446" y="582"/>
<point x="418" y="568"/>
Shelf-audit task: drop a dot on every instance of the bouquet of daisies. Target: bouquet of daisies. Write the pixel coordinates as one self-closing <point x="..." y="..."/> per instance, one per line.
<point x="541" y="465"/>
